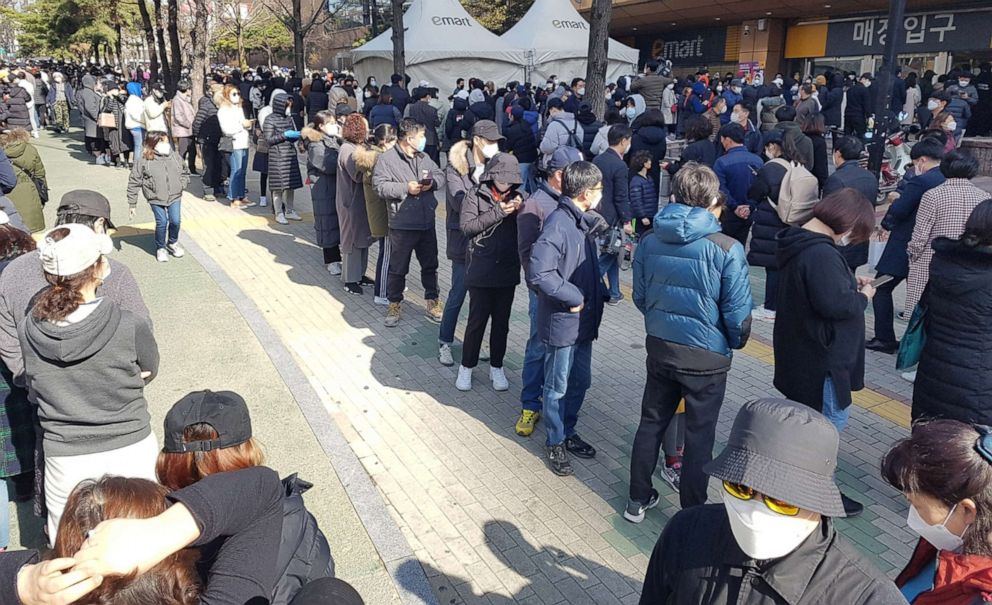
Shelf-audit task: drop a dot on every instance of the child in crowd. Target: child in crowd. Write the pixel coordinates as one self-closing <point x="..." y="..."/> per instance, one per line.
<point x="162" y="177"/>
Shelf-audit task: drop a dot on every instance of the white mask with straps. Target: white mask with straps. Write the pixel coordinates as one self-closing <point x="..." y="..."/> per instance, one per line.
<point x="937" y="535"/>
<point x="764" y="534"/>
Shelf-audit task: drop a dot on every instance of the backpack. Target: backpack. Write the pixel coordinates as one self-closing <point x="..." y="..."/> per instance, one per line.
<point x="304" y="554"/>
<point x="799" y="193"/>
<point x="573" y="142"/>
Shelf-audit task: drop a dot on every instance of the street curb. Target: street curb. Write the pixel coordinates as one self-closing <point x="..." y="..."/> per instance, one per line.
<point x="409" y="580"/>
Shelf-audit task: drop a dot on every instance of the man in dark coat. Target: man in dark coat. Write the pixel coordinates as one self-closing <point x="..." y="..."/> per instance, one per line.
<point x="778" y="468"/>
<point x="424" y="114"/>
<point x="615" y="206"/>
<point x="401" y="98"/>
<point x="858" y="107"/>
<point x="89" y="108"/>
<point x="317" y="99"/>
<point x="206" y="130"/>
<point x="847" y="152"/>
<point x="899" y="222"/>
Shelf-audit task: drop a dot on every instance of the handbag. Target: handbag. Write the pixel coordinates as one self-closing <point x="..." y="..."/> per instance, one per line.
<point x="875" y="250"/>
<point x="911" y="346"/>
<point x="226" y="144"/>
<point x="106" y="120"/>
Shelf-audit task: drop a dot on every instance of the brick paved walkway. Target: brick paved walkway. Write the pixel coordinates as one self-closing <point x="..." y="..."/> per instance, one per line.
<point x="487" y="520"/>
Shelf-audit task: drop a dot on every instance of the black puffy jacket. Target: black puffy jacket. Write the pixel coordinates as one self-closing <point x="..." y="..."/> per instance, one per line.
<point x="284" y="165"/>
<point x="317" y="99"/>
<point x="520" y="141"/>
<point x="457" y="118"/>
<point x="954" y="377"/>
<point x="653" y="139"/>
<point x="304" y="555"/>
<point x="767" y="224"/>
<point x="590" y="128"/>
<point x="206" y="127"/>
<point x="17" y="108"/>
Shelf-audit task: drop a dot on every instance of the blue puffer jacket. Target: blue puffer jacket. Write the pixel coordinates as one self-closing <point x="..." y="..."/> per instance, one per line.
<point x="691" y="283"/>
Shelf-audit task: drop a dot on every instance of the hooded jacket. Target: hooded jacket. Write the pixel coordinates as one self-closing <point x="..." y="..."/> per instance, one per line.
<point x="820" y="325"/>
<point x="18" y="113"/>
<point x="590" y="128"/>
<point x="304" y="554"/>
<point x="393" y="173"/>
<point x="454" y="124"/>
<point x="134" y="107"/>
<point x="155" y="114"/>
<point x="206" y="127"/>
<point x="182" y="116"/>
<point x="161" y="179"/>
<point x="85" y="378"/>
<point x="322" y="170"/>
<point x="317" y="100"/>
<point x="491" y="260"/>
<point x="530" y="220"/>
<point x="284" y="165"/>
<point x="955" y="372"/>
<point x="767" y="224"/>
<point x="458" y="176"/>
<point x="366" y="157"/>
<point x="89" y="105"/>
<point x="958" y="578"/>
<point x="691" y="283"/>
<point x="792" y="132"/>
<point x="28" y="168"/>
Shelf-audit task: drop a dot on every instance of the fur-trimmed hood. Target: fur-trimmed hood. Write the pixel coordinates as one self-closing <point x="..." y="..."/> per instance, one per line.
<point x="366" y="157"/>
<point x="312" y="134"/>
<point x="458" y="157"/>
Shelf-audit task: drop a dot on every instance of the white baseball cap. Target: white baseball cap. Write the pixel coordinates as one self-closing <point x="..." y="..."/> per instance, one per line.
<point x="74" y="252"/>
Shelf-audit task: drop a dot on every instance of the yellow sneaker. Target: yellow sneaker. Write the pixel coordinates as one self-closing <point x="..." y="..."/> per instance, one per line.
<point x="393" y="314"/>
<point x="435" y="310"/>
<point x="525" y="425"/>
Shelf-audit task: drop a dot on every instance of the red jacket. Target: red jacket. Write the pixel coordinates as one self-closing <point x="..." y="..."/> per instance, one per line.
<point x="960" y="579"/>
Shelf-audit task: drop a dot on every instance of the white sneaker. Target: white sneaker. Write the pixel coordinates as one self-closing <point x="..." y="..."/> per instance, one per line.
<point x="498" y="376"/>
<point x="381" y="300"/>
<point x="334" y="268"/>
<point x="101" y="160"/>
<point x="162" y="255"/>
<point x="281" y="219"/>
<point x="763" y="314"/>
<point x="444" y="355"/>
<point x="263" y="201"/>
<point x="34" y="133"/>
<point x="464" y="381"/>
<point x="909" y="376"/>
<point x="293" y="216"/>
<point x="175" y="250"/>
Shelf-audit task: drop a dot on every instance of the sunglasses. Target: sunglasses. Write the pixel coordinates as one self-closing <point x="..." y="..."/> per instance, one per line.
<point x="743" y="492"/>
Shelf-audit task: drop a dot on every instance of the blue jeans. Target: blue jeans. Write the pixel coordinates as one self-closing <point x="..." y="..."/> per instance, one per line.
<point x="525" y="176"/>
<point x="138" y="134"/>
<point x="533" y="373"/>
<point x="567" y="376"/>
<point x="609" y="266"/>
<point x="831" y="410"/>
<point x="167" y="218"/>
<point x="453" y="306"/>
<point x="239" y="170"/>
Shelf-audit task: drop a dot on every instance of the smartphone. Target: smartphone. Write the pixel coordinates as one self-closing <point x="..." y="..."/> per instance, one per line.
<point x="425" y="178"/>
<point x="881" y="281"/>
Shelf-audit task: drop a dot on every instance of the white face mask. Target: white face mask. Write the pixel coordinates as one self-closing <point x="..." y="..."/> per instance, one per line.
<point x="964" y="83"/>
<point x="593" y="204"/>
<point x="845" y="240"/>
<point x="163" y="148"/>
<point x="722" y="109"/>
<point x="580" y="91"/>
<point x="289" y="111"/>
<point x="736" y="117"/>
<point x="331" y="129"/>
<point x="764" y="534"/>
<point x="235" y="99"/>
<point x="631" y="112"/>
<point x="938" y="535"/>
<point x="952" y="126"/>
<point x="778" y="81"/>
<point x="866" y="83"/>
<point x="931" y="104"/>
<point x="719" y="88"/>
<point x="373" y="83"/>
<point x="670" y="87"/>
<point x="490" y="150"/>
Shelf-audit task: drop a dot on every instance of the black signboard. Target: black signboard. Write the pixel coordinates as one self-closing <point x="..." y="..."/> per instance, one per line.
<point x="947" y="31"/>
<point x="688" y="48"/>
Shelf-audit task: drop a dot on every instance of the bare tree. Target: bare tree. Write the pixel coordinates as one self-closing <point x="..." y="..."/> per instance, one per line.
<point x="236" y="18"/>
<point x="163" y="56"/>
<point x="175" y="48"/>
<point x="146" y="25"/>
<point x="399" y="41"/>
<point x="300" y="20"/>
<point x="198" y="38"/>
<point x="599" y="43"/>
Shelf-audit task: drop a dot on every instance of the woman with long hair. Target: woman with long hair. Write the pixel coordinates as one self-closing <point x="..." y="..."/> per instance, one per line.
<point x="366" y="157"/>
<point x="161" y="175"/>
<point x="231" y="115"/>
<point x="322" y="145"/>
<point x="281" y="135"/>
<point x="356" y="237"/>
<point x="86" y="363"/>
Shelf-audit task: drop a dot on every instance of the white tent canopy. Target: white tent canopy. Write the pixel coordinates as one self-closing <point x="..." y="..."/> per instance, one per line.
<point x="559" y="38"/>
<point x="443" y="43"/>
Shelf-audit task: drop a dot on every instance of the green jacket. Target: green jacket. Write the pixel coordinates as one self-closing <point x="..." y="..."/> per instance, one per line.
<point x="161" y="179"/>
<point x="27" y="166"/>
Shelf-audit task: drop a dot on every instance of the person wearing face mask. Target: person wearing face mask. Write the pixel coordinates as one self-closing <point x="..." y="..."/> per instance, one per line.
<point x="944" y="469"/>
<point x="422" y="112"/>
<point x="615" y="203"/>
<point x="322" y="146"/>
<point x="686" y="263"/>
<point x="86" y="363"/>
<point x="741" y="114"/>
<point x="819" y="334"/>
<point x="808" y="103"/>
<point x="652" y="84"/>
<point x="858" y="107"/>
<point x="963" y="88"/>
<point x="849" y="173"/>
<point x="897" y="230"/>
<point x="154" y="109"/>
<point x="182" y="124"/>
<point x="467" y="162"/>
<point x="733" y="96"/>
<point x="955" y="106"/>
<point x="353" y="218"/>
<point x="284" y="166"/>
<point x="564" y="271"/>
<point x="773" y="540"/>
<point x="492" y="270"/>
<point x="714" y="115"/>
<point x="406" y="179"/>
<point x="736" y="169"/>
<point x="234" y="126"/>
<point x="634" y="108"/>
<point x="669" y="108"/>
<point x="161" y="176"/>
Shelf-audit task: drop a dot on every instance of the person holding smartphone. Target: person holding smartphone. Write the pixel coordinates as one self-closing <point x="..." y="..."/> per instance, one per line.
<point x="492" y="265"/>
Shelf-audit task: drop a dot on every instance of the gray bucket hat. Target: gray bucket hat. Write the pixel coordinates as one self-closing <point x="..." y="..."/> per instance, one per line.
<point x="785" y="450"/>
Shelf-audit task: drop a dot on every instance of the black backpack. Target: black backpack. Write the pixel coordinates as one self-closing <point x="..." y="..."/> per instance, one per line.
<point x="304" y="555"/>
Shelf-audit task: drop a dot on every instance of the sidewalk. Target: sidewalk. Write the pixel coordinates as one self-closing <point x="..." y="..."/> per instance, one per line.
<point x="487" y="521"/>
<point x="205" y="341"/>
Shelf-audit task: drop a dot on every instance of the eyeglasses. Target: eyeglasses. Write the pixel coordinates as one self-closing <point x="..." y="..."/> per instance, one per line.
<point x="743" y="492"/>
<point x="600" y="188"/>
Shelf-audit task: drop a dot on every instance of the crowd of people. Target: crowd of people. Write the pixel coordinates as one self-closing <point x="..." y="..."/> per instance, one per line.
<point x="537" y="188"/>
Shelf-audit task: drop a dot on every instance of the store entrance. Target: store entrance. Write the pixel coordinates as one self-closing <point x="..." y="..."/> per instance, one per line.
<point x="972" y="59"/>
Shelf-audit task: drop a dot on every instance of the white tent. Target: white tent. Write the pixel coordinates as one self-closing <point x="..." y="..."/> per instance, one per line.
<point x="443" y="43"/>
<point x="559" y="38"/>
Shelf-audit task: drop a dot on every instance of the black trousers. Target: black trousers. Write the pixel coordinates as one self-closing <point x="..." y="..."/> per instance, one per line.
<point x="94" y="145"/>
<point x="856" y="127"/>
<point x="332" y="255"/>
<point x="403" y="243"/>
<point x="881" y="304"/>
<point x="735" y="226"/>
<point x="212" y="166"/>
<point x="662" y="392"/>
<point x="485" y="304"/>
<point x="187" y="150"/>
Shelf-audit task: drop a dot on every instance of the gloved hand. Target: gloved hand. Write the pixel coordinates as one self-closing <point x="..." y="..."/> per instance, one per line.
<point x="292" y="135"/>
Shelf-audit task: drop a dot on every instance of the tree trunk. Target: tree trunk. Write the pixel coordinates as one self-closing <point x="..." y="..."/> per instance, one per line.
<point x="160" y="36"/>
<point x="199" y="43"/>
<point x="175" y="48"/>
<point x="146" y="24"/>
<point x="298" y="37"/>
<point x="268" y="53"/>
<point x="240" y="33"/>
<point x="599" y="42"/>
<point x="119" y="44"/>
<point x="399" y="46"/>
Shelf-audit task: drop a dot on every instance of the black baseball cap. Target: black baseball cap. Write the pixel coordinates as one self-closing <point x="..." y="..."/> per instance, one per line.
<point x="225" y="411"/>
<point x="488" y="130"/>
<point x="90" y="203"/>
